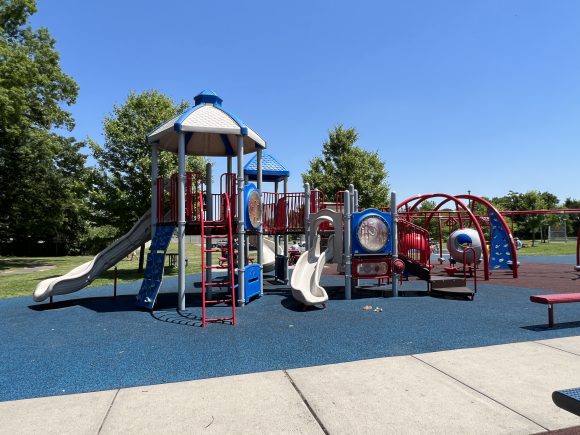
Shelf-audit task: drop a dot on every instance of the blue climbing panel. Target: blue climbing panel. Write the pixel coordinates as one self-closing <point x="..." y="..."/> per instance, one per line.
<point x="163" y="234"/>
<point x="154" y="270"/>
<point x="500" y="252"/>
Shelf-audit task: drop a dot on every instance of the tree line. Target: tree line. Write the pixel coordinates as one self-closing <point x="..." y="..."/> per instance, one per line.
<point x="536" y="226"/>
<point x="52" y="202"/>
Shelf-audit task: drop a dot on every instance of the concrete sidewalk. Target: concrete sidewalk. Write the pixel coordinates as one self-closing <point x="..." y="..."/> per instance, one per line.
<point x="496" y="389"/>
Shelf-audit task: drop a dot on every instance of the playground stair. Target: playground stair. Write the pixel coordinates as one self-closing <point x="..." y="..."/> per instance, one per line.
<point x="438" y="285"/>
<point x="155" y="266"/>
<point x="450" y="286"/>
<point x="210" y="230"/>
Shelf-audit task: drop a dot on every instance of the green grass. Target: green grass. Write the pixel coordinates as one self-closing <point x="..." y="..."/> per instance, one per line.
<point x="24" y="284"/>
<point x="552" y="248"/>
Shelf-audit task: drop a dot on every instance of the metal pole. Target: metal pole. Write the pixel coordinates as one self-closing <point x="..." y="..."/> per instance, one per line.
<point x="394" y="241"/>
<point x="115" y="274"/>
<point x="241" y="224"/>
<point x="351" y="193"/>
<point x="260" y="229"/>
<point x="307" y="214"/>
<point x="228" y="181"/>
<point x="276" y="237"/>
<point x="355" y="209"/>
<point x="181" y="223"/>
<point x="347" y="248"/>
<point x="286" y="229"/>
<point x="154" y="175"/>
<point x="229" y="193"/>
<point x="209" y="216"/>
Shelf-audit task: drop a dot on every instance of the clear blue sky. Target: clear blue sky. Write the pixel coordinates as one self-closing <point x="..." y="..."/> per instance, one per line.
<point x="454" y="95"/>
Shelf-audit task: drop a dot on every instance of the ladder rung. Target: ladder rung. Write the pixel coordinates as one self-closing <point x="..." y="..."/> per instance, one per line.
<point x="217" y="284"/>
<point x="211" y="230"/>
<point x="217" y="301"/>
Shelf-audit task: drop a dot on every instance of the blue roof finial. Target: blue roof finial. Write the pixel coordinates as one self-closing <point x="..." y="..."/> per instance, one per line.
<point x="208" y="96"/>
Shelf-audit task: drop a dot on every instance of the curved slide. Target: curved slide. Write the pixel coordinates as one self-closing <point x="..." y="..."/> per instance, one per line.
<point x="305" y="281"/>
<point x="83" y="275"/>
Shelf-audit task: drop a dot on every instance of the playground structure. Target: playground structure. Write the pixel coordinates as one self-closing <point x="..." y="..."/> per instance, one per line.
<point x="185" y="201"/>
<point x="377" y="244"/>
<point x="206" y="129"/>
<point x="472" y="212"/>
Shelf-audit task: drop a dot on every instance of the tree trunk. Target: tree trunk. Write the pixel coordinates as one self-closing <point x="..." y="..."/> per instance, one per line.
<point x="533" y="238"/>
<point x="141" y="257"/>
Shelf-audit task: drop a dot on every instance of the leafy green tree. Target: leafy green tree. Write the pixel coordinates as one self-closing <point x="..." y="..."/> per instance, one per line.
<point x="343" y="163"/>
<point x="433" y="228"/>
<point x="573" y="221"/>
<point x="41" y="173"/>
<point x="531" y="200"/>
<point x="122" y="187"/>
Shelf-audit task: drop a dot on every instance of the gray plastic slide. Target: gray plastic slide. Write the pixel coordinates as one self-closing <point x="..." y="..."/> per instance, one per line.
<point x="83" y="275"/>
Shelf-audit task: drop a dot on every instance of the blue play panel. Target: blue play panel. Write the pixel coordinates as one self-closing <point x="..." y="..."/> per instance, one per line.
<point x="87" y="341"/>
<point x="155" y="265"/>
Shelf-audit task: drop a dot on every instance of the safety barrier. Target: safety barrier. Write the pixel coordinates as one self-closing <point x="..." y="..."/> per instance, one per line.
<point x="281" y="213"/>
<point x="414" y="242"/>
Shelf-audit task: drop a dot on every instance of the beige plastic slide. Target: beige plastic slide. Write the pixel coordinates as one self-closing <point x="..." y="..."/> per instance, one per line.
<point x="305" y="281"/>
<point x="269" y="259"/>
<point x="83" y="275"/>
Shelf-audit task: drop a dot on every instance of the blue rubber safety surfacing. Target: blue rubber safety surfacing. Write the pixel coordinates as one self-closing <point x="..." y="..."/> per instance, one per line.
<point x="90" y="342"/>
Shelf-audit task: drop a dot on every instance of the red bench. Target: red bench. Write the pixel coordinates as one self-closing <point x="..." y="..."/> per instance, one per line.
<point x="551" y="300"/>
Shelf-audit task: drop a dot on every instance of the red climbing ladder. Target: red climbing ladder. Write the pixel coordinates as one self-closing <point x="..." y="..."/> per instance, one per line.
<point x="217" y="229"/>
